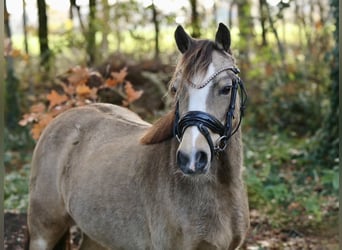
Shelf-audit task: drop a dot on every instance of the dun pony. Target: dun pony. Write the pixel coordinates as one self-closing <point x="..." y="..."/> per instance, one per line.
<point x="127" y="184"/>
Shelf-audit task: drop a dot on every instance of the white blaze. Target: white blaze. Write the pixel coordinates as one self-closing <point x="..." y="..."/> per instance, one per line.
<point x="197" y="102"/>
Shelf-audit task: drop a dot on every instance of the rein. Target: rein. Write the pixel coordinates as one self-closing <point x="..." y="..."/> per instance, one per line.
<point x="206" y="122"/>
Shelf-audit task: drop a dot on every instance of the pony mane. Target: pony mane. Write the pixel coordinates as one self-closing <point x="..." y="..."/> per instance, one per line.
<point x="161" y="130"/>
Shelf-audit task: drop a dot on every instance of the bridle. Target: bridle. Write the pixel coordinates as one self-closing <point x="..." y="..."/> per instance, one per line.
<point x="206" y="122"/>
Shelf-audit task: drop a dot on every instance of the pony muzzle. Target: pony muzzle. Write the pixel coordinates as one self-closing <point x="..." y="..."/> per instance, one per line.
<point x="194" y="154"/>
<point x="195" y="163"/>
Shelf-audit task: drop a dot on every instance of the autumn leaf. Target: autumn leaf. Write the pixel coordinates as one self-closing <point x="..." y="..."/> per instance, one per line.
<point x="28" y="118"/>
<point x="60" y="109"/>
<point x="78" y="75"/>
<point x="56" y="99"/>
<point x="131" y="94"/>
<point x="80" y="87"/>
<point x="68" y="89"/>
<point x="83" y="90"/>
<point x="38" y="128"/>
<point x="38" y="108"/>
<point x="120" y="76"/>
<point x="116" y="78"/>
<point x="111" y="82"/>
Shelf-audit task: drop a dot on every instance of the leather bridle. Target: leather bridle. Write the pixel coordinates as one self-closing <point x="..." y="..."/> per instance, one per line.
<point x="206" y="122"/>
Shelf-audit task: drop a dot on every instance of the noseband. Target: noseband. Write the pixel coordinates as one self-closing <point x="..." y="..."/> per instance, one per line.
<point x="206" y="122"/>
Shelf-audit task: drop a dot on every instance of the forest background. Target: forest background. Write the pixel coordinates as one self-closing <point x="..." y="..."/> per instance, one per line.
<point x="61" y="54"/>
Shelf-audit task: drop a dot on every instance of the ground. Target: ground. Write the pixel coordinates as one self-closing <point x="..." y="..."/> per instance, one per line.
<point x="261" y="236"/>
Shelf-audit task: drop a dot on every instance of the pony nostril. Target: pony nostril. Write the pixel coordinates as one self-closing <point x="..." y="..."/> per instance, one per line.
<point x="201" y="160"/>
<point x="183" y="161"/>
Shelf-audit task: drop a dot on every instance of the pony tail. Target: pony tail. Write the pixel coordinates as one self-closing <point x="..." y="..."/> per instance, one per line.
<point x="160" y="131"/>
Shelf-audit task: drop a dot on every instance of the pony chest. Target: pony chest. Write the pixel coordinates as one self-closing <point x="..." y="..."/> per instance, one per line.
<point x="204" y="219"/>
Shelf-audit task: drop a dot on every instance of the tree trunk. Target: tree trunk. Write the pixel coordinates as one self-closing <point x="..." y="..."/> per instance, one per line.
<point x="25" y="27"/>
<point x="116" y="20"/>
<point x="12" y="110"/>
<point x="43" y="35"/>
<point x="196" y="31"/>
<point x="230" y="13"/>
<point x="156" y="31"/>
<point x="91" y="45"/>
<point x="73" y="6"/>
<point x="246" y="29"/>
<point x="327" y="150"/>
<point x="275" y="32"/>
<point x="105" y="29"/>
<point x="263" y="17"/>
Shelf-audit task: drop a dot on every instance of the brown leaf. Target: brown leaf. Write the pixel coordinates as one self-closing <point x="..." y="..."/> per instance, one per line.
<point x="83" y="90"/>
<point x="38" y="108"/>
<point x="38" y="128"/>
<point x="56" y="99"/>
<point x="110" y="82"/>
<point x="68" y="89"/>
<point x="79" y="75"/>
<point x="120" y="76"/>
<point x="28" y="118"/>
<point x="131" y="94"/>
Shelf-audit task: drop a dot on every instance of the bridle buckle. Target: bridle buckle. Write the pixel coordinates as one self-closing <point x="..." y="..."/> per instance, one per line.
<point x="221" y="143"/>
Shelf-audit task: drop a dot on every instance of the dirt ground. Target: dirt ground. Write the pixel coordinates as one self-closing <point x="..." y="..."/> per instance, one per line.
<point x="260" y="237"/>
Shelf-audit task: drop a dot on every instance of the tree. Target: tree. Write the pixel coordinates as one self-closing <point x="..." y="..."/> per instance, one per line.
<point x="327" y="137"/>
<point x="105" y="28"/>
<point x="45" y="52"/>
<point x="245" y="28"/>
<point x="12" y="110"/>
<point x="196" y="31"/>
<point x="156" y="30"/>
<point x="25" y="27"/>
<point x="74" y="6"/>
<point x="91" y="41"/>
<point x="263" y="18"/>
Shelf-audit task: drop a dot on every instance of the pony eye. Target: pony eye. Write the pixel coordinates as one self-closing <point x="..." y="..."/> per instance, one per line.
<point x="225" y="90"/>
<point x="173" y="90"/>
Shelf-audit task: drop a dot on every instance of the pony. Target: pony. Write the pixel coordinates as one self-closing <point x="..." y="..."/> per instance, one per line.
<point x="127" y="184"/>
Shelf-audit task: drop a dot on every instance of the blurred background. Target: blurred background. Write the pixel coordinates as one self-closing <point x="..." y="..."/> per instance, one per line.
<point x="67" y="53"/>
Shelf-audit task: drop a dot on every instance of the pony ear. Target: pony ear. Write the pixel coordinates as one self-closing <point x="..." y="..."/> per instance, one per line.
<point x="183" y="40"/>
<point x="222" y="38"/>
<point x="161" y="130"/>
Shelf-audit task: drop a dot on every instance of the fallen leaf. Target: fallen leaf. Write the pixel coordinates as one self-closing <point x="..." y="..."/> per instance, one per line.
<point x="131" y="94"/>
<point x="56" y="99"/>
<point x="68" y="89"/>
<point x="120" y="76"/>
<point x="38" y="128"/>
<point x="83" y="90"/>
<point x="79" y="75"/>
<point x="38" y="108"/>
<point x="28" y="118"/>
<point x="110" y="82"/>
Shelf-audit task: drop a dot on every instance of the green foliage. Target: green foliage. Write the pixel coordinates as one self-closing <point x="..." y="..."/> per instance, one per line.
<point x="288" y="97"/>
<point x="17" y="155"/>
<point x="12" y="109"/>
<point x="327" y="136"/>
<point x="283" y="181"/>
<point x="16" y="189"/>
